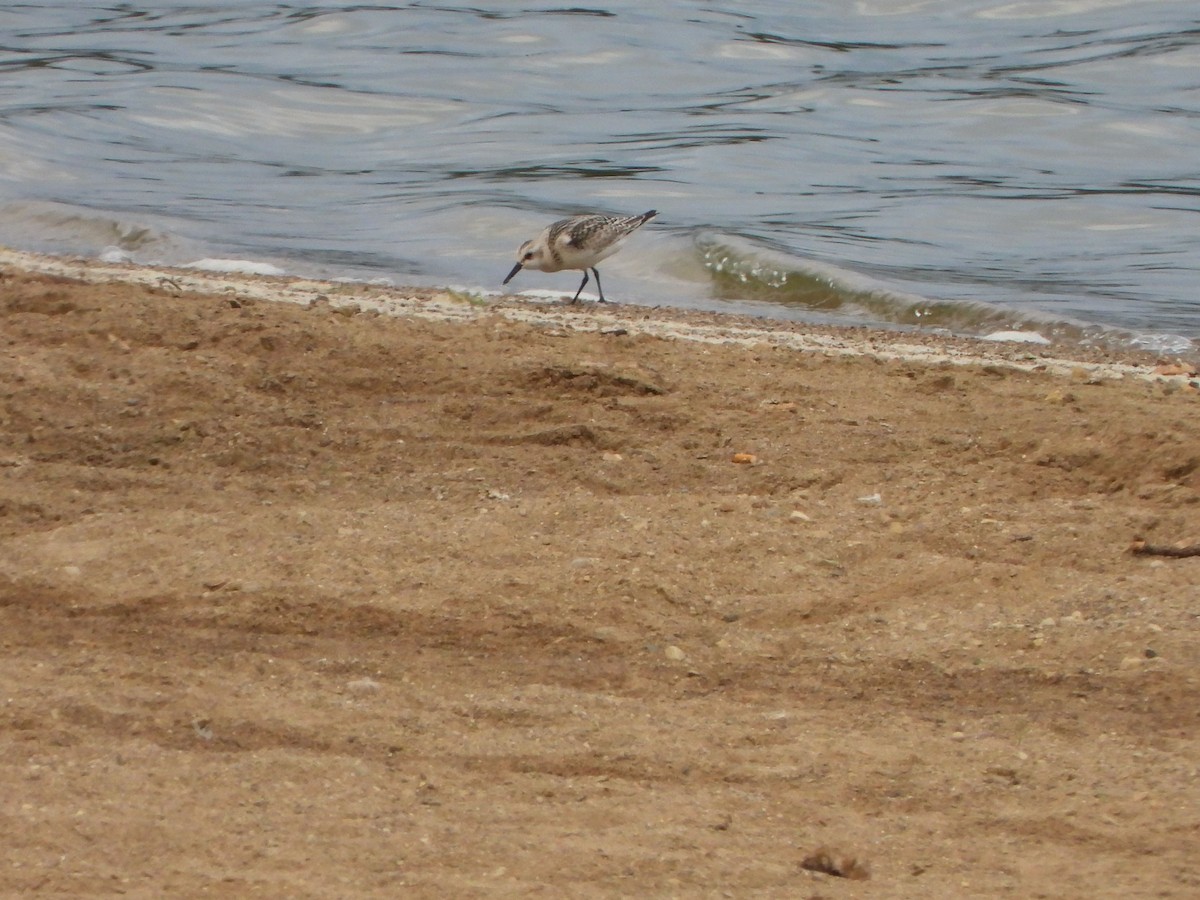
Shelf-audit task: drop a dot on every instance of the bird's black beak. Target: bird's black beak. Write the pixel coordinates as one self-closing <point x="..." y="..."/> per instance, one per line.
<point x="516" y="269"/>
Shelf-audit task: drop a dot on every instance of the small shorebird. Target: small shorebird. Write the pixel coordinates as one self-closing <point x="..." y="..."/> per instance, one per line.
<point x="579" y="242"/>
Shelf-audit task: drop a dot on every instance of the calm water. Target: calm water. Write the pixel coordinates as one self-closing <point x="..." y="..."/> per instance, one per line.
<point x="966" y="164"/>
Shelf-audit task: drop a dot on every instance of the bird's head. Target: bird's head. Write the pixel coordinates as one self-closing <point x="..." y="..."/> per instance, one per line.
<point x="529" y="256"/>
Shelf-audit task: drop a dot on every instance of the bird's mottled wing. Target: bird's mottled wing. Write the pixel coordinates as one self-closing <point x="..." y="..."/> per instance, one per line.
<point x="593" y="232"/>
<point x="575" y="231"/>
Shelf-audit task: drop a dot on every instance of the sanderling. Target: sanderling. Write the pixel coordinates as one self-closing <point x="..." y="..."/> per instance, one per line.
<point x="578" y="243"/>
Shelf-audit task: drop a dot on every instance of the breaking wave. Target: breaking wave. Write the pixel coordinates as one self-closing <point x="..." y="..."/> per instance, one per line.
<point x="740" y="270"/>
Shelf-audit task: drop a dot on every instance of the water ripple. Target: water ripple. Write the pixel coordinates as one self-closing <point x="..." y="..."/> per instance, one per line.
<point x="955" y="162"/>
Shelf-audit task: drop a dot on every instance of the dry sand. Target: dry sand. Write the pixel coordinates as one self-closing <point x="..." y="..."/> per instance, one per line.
<point x="302" y="600"/>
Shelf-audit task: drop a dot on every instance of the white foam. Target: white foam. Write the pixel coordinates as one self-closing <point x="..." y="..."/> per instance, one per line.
<point x="235" y="266"/>
<point x="1042" y="9"/>
<point x="555" y="296"/>
<point x="115" y="255"/>
<point x="381" y="281"/>
<point x="290" y="111"/>
<point x="1016" y="337"/>
<point x="1163" y="343"/>
<point x="748" y="50"/>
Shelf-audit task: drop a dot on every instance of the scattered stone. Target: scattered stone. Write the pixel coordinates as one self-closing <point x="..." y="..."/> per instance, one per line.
<point x="1060" y="398"/>
<point x="797" y="516"/>
<point x="840" y="865"/>
<point x="744" y="459"/>
<point x="674" y="654"/>
<point x="1003" y="773"/>
<point x="609" y="634"/>
<point x="875" y="499"/>
<point x="1129" y="663"/>
<point x="1176" y="368"/>
<point x="203" y="729"/>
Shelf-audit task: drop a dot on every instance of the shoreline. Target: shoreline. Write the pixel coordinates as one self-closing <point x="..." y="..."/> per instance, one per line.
<point x="666" y="322"/>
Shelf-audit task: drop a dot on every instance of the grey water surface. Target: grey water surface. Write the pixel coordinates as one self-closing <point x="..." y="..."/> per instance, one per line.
<point x="969" y="165"/>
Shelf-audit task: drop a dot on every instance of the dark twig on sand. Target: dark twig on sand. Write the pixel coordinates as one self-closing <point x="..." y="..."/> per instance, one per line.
<point x="1139" y="547"/>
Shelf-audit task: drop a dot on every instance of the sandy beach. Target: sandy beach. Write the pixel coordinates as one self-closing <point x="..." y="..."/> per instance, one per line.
<point x="337" y="590"/>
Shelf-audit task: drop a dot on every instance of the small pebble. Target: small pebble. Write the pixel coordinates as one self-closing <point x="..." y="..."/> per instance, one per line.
<point x="363" y="686"/>
<point x="674" y="653"/>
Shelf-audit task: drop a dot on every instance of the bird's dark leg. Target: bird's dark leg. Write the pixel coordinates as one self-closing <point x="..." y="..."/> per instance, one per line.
<point x="581" y="284"/>
<point x="596" y="272"/>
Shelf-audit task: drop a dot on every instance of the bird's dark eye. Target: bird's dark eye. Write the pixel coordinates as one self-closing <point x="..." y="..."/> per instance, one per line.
<point x="528" y="255"/>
